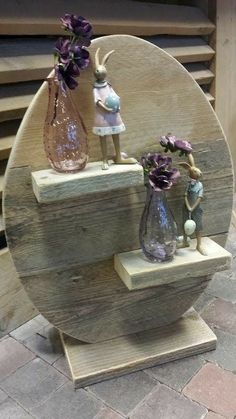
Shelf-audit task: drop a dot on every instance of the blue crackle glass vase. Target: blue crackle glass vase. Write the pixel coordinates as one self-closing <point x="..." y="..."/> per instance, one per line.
<point x="158" y="230"/>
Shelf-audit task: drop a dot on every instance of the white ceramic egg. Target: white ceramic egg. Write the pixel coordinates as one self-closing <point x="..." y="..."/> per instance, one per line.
<point x="189" y="227"/>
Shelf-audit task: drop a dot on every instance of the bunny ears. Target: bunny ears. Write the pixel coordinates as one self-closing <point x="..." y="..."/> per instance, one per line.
<point x="105" y="58"/>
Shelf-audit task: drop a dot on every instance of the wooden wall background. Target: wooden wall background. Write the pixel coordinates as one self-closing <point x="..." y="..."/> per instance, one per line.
<point x="200" y="34"/>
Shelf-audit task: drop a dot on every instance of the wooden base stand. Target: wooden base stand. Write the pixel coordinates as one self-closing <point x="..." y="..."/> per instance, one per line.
<point x="90" y="363"/>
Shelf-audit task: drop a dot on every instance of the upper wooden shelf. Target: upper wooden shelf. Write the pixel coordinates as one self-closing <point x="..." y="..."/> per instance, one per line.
<point x="50" y="186"/>
<point x="137" y="272"/>
<point x="108" y="17"/>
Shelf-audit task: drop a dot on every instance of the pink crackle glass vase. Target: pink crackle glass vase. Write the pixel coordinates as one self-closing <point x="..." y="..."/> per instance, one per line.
<point x="65" y="137"/>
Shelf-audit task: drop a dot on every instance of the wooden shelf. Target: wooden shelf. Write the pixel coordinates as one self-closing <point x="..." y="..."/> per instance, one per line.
<point x="137" y="272"/>
<point x="50" y="186"/>
<point x="107" y="17"/>
<point x="15" y="99"/>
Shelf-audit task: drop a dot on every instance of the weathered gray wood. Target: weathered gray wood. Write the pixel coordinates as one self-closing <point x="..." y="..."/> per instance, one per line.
<point x="92" y="304"/>
<point x="50" y="186"/>
<point x="138" y="273"/>
<point x="64" y="251"/>
<point x="136" y="18"/>
<point x="92" y="363"/>
<point x="15" y="306"/>
<point x="185" y="49"/>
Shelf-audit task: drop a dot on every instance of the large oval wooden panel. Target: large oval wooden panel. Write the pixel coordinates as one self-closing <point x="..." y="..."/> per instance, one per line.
<point x="63" y="251"/>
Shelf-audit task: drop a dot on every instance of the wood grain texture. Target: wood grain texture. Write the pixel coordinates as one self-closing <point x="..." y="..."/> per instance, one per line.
<point x="91" y="363"/>
<point x="225" y="87"/>
<point x="185" y="49"/>
<point x="89" y="301"/>
<point x="3" y="165"/>
<point x="25" y="59"/>
<point x="15" y="306"/>
<point x="92" y="304"/>
<point x="138" y="273"/>
<point x="8" y="132"/>
<point x="2" y="228"/>
<point x="200" y="73"/>
<point x="50" y="186"/>
<point x="15" y="99"/>
<point x="134" y="18"/>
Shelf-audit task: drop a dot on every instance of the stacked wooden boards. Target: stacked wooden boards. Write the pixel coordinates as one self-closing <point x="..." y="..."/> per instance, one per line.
<point x="73" y="281"/>
<point x="26" y="48"/>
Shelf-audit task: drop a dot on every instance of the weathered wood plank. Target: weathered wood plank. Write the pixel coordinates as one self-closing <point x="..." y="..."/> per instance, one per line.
<point x="92" y="363"/>
<point x="15" y="99"/>
<point x="50" y="186"/>
<point x="225" y="86"/>
<point x="8" y="132"/>
<point x="25" y="59"/>
<point x="2" y="228"/>
<point x="138" y="273"/>
<point x="200" y="73"/>
<point x="210" y="97"/>
<point x="93" y="304"/>
<point x="107" y="17"/>
<point x="3" y="165"/>
<point x="15" y="306"/>
<point x="184" y="49"/>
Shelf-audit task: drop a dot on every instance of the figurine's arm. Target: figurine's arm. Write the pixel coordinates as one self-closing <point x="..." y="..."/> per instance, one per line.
<point x="187" y="203"/>
<point x="103" y="106"/>
<point x="195" y="205"/>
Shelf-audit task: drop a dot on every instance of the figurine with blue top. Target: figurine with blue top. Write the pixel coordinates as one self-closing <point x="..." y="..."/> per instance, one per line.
<point x="107" y="119"/>
<point x="192" y="211"/>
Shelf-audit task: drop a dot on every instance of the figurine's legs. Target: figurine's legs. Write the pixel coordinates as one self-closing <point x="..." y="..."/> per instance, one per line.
<point x="119" y="159"/>
<point x="184" y="243"/>
<point x="103" y="143"/>
<point x="199" y="244"/>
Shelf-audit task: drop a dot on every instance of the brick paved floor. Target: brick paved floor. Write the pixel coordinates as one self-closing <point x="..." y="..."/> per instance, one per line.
<point x="35" y="380"/>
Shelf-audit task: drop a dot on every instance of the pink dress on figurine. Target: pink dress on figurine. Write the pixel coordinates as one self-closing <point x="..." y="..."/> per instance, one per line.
<point x="106" y="123"/>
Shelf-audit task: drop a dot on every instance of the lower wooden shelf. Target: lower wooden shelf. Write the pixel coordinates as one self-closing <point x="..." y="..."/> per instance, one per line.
<point x="137" y="272"/>
<point x="93" y="362"/>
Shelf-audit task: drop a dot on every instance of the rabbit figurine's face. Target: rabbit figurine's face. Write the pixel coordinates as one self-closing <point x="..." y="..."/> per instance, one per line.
<point x="195" y="173"/>
<point x="100" y="73"/>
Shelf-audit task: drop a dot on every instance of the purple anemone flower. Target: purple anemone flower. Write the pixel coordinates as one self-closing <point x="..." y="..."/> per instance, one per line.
<point x="184" y="146"/>
<point x="67" y="74"/>
<point x="80" y="57"/>
<point x="160" y="173"/>
<point x="80" y="27"/>
<point x="162" y="179"/>
<point x="152" y="160"/>
<point x="172" y="144"/>
<point x="63" y="50"/>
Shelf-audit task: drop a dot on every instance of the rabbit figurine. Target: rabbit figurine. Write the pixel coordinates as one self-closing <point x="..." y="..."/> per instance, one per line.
<point x="192" y="209"/>
<point x="107" y="119"/>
